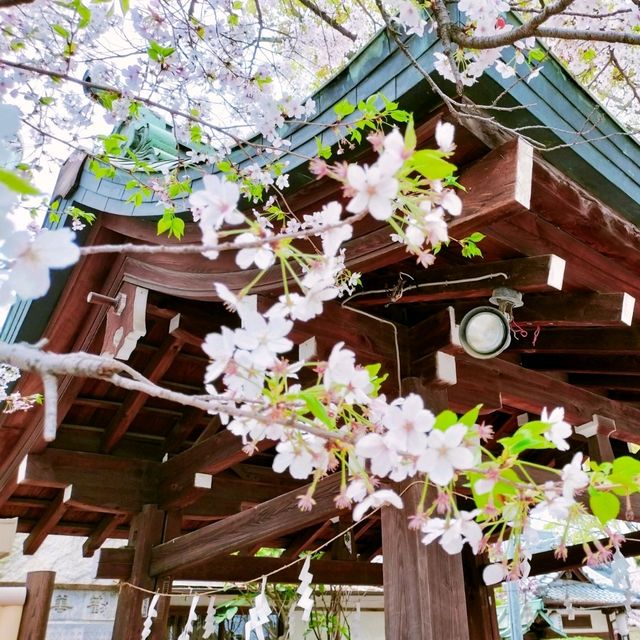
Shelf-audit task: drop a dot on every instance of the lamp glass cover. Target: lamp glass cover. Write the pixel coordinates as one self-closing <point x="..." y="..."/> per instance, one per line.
<point x="485" y="332"/>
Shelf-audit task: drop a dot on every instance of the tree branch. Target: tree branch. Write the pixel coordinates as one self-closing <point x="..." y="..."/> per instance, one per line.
<point x="325" y="17"/>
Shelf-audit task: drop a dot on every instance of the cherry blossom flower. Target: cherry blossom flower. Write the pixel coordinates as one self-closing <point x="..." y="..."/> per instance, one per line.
<point x="374" y="191"/>
<point x="345" y="378"/>
<point x="220" y="348"/>
<point x="555" y="504"/>
<point x="32" y="258"/>
<point x="217" y="202"/>
<point x="264" y="338"/>
<point x="559" y="430"/>
<point x="376" y="500"/>
<point x="302" y="456"/>
<point x="331" y="238"/>
<point x="444" y="137"/>
<point x="380" y="451"/>
<point x="573" y="477"/>
<point x="408" y="422"/>
<point x="445" y="454"/>
<point x="454" y="533"/>
<point x="493" y="573"/>
<point x="262" y="255"/>
<point x="409" y="16"/>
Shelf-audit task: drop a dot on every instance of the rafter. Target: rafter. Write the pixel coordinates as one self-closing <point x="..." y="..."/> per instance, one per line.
<point x="104" y="530"/>
<point x="49" y="519"/>
<point x="156" y="368"/>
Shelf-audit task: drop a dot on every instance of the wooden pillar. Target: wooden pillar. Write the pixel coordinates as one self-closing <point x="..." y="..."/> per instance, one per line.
<point x="35" y="613"/>
<point x="481" y="605"/>
<point x="172" y="529"/>
<point x="424" y="593"/>
<point x="146" y="531"/>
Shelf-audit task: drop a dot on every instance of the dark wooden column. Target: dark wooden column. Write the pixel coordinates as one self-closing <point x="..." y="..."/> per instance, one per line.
<point x="424" y="594"/>
<point x="146" y="531"/>
<point x="481" y="604"/>
<point x="35" y="613"/>
<point x="172" y="529"/>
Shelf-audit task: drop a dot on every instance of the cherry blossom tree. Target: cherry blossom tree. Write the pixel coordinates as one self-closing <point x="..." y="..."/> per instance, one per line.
<point x="222" y="71"/>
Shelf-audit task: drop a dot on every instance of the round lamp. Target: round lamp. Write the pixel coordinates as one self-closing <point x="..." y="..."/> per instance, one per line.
<point x="484" y="332"/>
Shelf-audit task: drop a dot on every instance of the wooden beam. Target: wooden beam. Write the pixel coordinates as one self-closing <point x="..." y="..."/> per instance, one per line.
<point x="497" y="187"/>
<point x="577" y="309"/>
<point x="115" y="564"/>
<point x="270" y="519"/>
<point x="566" y="205"/>
<point x="547" y="562"/>
<point x="125" y="322"/>
<point x="101" y="482"/>
<point x="105" y="529"/>
<point x="182" y="429"/>
<point x="569" y="310"/>
<point x="35" y="612"/>
<point x="305" y="539"/>
<point x="172" y="529"/>
<point x="540" y="273"/>
<point x="437" y="332"/>
<point x="582" y="363"/>
<point x="580" y="340"/>
<point x="528" y="390"/>
<point x="604" y="381"/>
<point x="156" y="368"/>
<point x="47" y="522"/>
<point x="178" y="486"/>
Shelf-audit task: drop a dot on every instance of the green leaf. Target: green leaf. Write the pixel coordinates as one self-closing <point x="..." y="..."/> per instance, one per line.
<point x="605" y="506"/>
<point x="431" y="165"/>
<point x="625" y="472"/>
<point x="344" y="108"/>
<point x="61" y="31"/>
<point x="124" y="6"/>
<point x="164" y="224"/>
<point x="476" y="236"/>
<point x="471" y="417"/>
<point x="536" y="54"/>
<point x="177" y="227"/>
<point x="17" y="184"/>
<point x="324" y="150"/>
<point x="445" y="420"/>
<point x="316" y="408"/>
<point x="410" y="139"/>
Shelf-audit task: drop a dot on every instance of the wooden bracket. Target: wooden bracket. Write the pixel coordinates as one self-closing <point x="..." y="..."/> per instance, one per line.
<point x="126" y="320"/>
<point x="597" y="432"/>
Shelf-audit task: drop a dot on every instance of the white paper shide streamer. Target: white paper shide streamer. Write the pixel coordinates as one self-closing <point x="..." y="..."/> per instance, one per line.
<point x="191" y="618"/>
<point x="210" y="626"/>
<point x="305" y="591"/>
<point x="151" y="614"/>
<point x="258" y="614"/>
